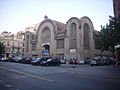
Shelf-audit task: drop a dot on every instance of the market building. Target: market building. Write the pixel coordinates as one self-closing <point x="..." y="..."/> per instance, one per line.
<point x="56" y="39"/>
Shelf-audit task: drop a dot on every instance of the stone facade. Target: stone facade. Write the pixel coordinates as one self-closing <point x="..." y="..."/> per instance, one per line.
<point x="56" y="39"/>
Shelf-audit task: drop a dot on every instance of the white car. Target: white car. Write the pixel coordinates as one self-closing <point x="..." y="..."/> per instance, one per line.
<point x="93" y="62"/>
<point x="62" y="61"/>
<point x="4" y="59"/>
<point x="80" y="61"/>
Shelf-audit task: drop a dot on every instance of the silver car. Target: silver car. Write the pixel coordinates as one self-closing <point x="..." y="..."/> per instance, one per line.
<point x="93" y="62"/>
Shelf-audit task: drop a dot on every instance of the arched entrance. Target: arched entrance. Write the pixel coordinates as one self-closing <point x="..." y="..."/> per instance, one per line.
<point x="46" y="49"/>
<point x="46" y="35"/>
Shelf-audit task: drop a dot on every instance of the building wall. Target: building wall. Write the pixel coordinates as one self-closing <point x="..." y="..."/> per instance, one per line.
<point x="80" y="51"/>
<point x="13" y="46"/>
<point x="58" y="31"/>
<point x="72" y="51"/>
<point x="116" y="7"/>
<point x="88" y="52"/>
<point x="52" y="42"/>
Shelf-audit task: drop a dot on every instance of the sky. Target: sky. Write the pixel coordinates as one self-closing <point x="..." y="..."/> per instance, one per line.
<point x="16" y="15"/>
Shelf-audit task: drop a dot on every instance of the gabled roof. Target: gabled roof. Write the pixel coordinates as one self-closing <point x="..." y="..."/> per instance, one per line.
<point x="60" y="27"/>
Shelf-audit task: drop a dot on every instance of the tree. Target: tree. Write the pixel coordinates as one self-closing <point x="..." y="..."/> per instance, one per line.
<point x="2" y="48"/>
<point x="109" y="36"/>
<point x="115" y="27"/>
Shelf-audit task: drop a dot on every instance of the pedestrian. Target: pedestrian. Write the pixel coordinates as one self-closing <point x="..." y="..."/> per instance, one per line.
<point x="74" y="63"/>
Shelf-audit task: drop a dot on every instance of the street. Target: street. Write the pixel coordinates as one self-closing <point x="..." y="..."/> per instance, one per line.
<point x="16" y="76"/>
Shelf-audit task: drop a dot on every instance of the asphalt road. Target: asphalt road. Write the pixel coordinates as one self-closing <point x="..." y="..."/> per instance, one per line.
<point x="15" y="76"/>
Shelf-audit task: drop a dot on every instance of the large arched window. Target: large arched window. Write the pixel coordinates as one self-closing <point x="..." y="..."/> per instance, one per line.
<point x="60" y="43"/>
<point x="86" y="36"/>
<point x="27" y="43"/>
<point x="46" y="35"/>
<point x="73" y="36"/>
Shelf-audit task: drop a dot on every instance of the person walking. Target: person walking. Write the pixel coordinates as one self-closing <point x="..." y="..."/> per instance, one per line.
<point x="74" y="63"/>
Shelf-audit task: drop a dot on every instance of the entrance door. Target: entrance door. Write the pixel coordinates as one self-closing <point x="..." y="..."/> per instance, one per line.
<point x="46" y="50"/>
<point x="7" y="55"/>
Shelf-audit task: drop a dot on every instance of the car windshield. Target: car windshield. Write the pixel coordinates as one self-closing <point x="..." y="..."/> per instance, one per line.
<point x="38" y="59"/>
<point x="49" y="59"/>
<point x="33" y="59"/>
<point x="94" y="60"/>
<point x="80" y="59"/>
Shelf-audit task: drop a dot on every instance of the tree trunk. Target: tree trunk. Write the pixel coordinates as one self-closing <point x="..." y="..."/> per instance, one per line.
<point x="113" y="51"/>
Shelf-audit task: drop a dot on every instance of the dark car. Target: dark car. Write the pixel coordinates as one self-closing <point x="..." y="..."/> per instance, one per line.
<point x="51" y="62"/>
<point x="26" y="60"/>
<point x="39" y="60"/>
<point x="10" y="59"/>
<point x="87" y="61"/>
<point x="17" y="59"/>
<point x="97" y="62"/>
<point x="34" y="58"/>
<point x="108" y="61"/>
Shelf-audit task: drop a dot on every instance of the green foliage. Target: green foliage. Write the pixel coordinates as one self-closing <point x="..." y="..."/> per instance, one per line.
<point x="2" y="48"/>
<point x="109" y="36"/>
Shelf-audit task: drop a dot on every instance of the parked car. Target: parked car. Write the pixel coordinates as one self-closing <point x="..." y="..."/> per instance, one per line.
<point x="93" y="62"/>
<point x="0" y="59"/>
<point x="17" y="59"/>
<point x="108" y="61"/>
<point x="10" y="59"/>
<point x="73" y="61"/>
<point x="97" y="62"/>
<point x="87" y="61"/>
<point x="34" y="58"/>
<point x="63" y="61"/>
<point x="26" y="60"/>
<point x="13" y="59"/>
<point x="51" y="62"/>
<point x="80" y="61"/>
<point x="39" y="60"/>
<point x="4" y="59"/>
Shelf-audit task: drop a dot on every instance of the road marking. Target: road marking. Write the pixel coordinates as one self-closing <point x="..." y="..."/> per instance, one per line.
<point x="8" y="85"/>
<point x="20" y="77"/>
<point x="26" y="74"/>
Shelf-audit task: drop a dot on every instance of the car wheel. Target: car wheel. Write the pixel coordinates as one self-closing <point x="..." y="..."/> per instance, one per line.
<point x="58" y="64"/>
<point x="91" y="65"/>
<point x="46" y="64"/>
